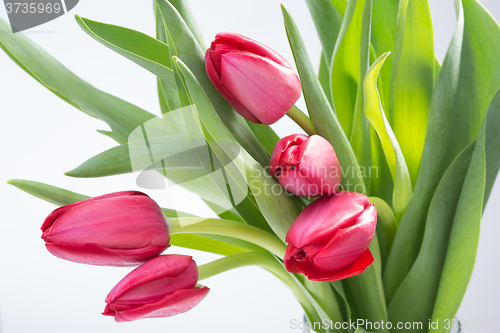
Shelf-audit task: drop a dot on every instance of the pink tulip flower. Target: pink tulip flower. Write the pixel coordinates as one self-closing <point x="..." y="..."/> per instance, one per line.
<point x="306" y="166"/>
<point x="329" y="240"/>
<point x="254" y="79"/>
<point x="162" y="287"/>
<point x="117" y="229"/>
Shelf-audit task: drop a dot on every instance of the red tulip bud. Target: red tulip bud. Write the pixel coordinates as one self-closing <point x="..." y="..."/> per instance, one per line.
<point x="329" y="240"/>
<point x="117" y="229"/>
<point x="306" y="166"/>
<point x="162" y="287"/>
<point x="254" y="79"/>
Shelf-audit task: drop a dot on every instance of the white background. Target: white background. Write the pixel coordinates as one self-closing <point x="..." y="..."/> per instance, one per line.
<point x="42" y="137"/>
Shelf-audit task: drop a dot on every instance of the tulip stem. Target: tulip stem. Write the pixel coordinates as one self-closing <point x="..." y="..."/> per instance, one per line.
<point x="266" y="261"/>
<point x="301" y="119"/>
<point x="228" y="228"/>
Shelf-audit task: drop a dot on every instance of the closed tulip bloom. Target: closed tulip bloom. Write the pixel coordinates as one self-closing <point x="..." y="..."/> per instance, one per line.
<point x="254" y="79"/>
<point x="306" y="166"/>
<point x="329" y="240"/>
<point x="117" y="229"/>
<point x="162" y="287"/>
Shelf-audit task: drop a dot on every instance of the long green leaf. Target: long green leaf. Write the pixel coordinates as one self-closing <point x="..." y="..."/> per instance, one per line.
<point x="142" y="49"/>
<point x="414" y="299"/>
<point x="412" y="80"/>
<point x="327" y="20"/>
<point x="182" y="7"/>
<point x="464" y="235"/>
<point x="322" y="115"/>
<point x="121" y="116"/>
<point x="189" y="51"/>
<point x="402" y="182"/>
<point x="345" y="68"/>
<point x="384" y="19"/>
<point x="465" y="86"/>
<point x="360" y="134"/>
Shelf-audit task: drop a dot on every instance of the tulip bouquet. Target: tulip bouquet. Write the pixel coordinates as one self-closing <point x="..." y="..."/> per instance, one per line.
<point x="371" y="218"/>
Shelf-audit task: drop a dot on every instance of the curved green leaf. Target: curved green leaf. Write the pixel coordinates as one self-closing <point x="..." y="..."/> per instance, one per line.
<point x="142" y="49"/>
<point x="412" y="80"/>
<point x="373" y="111"/>
<point x="121" y="116"/>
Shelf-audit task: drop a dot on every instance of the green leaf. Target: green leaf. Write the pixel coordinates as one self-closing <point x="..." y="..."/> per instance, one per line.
<point x="324" y="79"/>
<point x="464" y="234"/>
<point x="466" y="84"/>
<point x="492" y="147"/>
<point x="114" y="161"/>
<point x="346" y="70"/>
<point x="49" y="193"/>
<point x="360" y="135"/>
<point x="412" y="80"/>
<point x="182" y="7"/>
<point x="265" y="134"/>
<point x="327" y="21"/>
<point x="341" y="5"/>
<point x="402" y="182"/>
<point x="121" y="116"/>
<point x="384" y="17"/>
<point x="189" y="51"/>
<point x="142" y="49"/>
<point x="368" y="295"/>
<point x="321" y="112"/>
<point x="414" y="299"/>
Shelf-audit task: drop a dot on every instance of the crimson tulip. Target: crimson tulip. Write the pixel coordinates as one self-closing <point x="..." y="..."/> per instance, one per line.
<point x="117" y="229"/>
<point x="306" y="166"/>
<point x="162" y="287"/>
<point x="258" y="82"/>
<point x="329" y="240"/>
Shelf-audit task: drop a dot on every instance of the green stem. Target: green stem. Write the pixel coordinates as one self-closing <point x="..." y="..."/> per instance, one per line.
<point x="387" y="218"/>
<point x="301" y="119"/>
<point x="199" y="225"/>
<point x="264" y="260"/>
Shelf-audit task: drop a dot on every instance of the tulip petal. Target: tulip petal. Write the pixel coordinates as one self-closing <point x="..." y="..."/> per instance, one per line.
<point x="179" y="302"/>
<point x="243" y="43"/>
<point x="319" y="221"/>
<point x="93" y="254"/>
<point x="49" y="221"/>
<point x="348" y="243"/>
<point x="115" y="222"/>
<point x="357" y="267"/>
<point x="296" y="182"/>
<point x="214" y="76"/>
<point x="319" y="163"/>
<point x="141" y="283"/>
<point x="265" y="88"/>
<point x="281" y="146"/>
